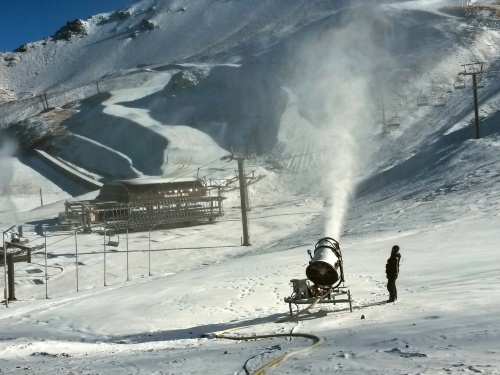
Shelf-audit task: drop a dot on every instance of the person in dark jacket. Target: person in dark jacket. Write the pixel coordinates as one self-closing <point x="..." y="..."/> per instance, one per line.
<point x="392" y="272"/>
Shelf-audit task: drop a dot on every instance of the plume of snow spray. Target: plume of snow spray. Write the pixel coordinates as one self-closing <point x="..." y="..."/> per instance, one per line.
<point x="347" y="126"/>
<point x="7" y="150"/>
<point x="336" y="99"/>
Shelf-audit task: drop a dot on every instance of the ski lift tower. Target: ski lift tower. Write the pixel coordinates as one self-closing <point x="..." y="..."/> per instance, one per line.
<point x="382" y="108"/>
<point x="243" y="193"/>
<point x="475" y="69"/>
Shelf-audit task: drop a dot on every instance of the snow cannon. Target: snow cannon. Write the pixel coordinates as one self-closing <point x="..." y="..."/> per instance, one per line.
<point x="325" y="275"/>
<point x="325" y="267"/>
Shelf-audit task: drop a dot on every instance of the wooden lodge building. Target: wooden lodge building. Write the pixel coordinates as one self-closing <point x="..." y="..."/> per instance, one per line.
<point x="144" y="203"/>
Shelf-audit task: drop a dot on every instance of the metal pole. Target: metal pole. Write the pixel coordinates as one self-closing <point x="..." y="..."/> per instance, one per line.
<point x="383" y="108"/>
<point x="5" y="271"/>
<point x="5" y="292"/>
<point x="243" y="195"/>
<point x="10" y="271"/>
<point x="43" y="103"/>
<point x="128" y="279"/>
<point x="476" y="107"/>
<point x="46" y="276"/>
<point x="104" y="256"/>
<point x="76" y="254"/>
<point x="149" y="250"/>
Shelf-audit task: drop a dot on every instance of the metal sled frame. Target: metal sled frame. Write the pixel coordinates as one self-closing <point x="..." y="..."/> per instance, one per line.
<point x="300" y="296"/>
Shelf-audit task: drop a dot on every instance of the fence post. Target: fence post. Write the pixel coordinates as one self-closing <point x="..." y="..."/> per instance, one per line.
<point x="128" y="279"/>
<point x="104" y="256"/>
<point x="46" y="275"/>
<point x="76" y="253"/>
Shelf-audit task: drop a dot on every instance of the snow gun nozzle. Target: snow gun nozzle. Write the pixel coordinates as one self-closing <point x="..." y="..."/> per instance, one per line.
<point x="325" y="266"/>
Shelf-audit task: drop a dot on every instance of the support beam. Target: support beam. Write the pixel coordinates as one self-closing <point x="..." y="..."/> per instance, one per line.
<point x="10" y="274"/>
<point x="473" y="70"/>
<point x="243" y="195"/>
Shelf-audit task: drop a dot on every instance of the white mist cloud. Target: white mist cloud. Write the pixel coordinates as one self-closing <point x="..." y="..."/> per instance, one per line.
<point x="349" y="121"/>
<point x="8" y="148"/>
<point x="336" y="94"/>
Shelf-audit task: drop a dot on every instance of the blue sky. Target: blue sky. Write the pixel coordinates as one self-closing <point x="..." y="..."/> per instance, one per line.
<point x="25" y="21"/>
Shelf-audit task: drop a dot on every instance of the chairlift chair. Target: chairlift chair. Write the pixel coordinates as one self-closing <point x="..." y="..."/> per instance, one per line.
<point x="394" y="121"/>
<point x="459" y="83"/>
<point x="114" y="241"/>
<point x="440" y="102"/>
<point x="423" y="100"/>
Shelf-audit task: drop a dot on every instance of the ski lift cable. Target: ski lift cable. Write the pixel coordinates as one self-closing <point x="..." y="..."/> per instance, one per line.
<point x="291" y="157"/>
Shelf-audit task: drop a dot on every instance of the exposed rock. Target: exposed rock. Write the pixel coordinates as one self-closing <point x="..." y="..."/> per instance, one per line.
<point x="39" y="130"/>
<point x="148" y="25"/>
<point x="484" y="11"/>
<point x="7" y="95"/>
<point x="22" y="48"/>
<point x="185" y="79"/>
<point x="72" y="28"/>
<point x="405" y="354"/>
<point x="11" y="58"/>
<point x="124" y="13"/>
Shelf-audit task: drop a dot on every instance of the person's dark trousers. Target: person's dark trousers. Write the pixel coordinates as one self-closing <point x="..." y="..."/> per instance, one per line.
<point x="391" y="287"/>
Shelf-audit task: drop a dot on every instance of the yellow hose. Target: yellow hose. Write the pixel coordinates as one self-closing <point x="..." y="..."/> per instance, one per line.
<point x="317" y="340"/>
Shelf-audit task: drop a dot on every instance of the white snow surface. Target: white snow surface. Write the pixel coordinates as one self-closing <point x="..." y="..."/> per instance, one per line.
<point x="299" y="83"/>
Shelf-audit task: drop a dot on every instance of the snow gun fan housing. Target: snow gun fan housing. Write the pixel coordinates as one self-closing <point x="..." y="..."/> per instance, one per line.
<point x="325" y="267"/>
<point x="325" y="271"/>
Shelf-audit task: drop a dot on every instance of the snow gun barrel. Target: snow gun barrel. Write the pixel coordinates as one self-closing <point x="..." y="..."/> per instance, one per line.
<point x="325" y="267"/>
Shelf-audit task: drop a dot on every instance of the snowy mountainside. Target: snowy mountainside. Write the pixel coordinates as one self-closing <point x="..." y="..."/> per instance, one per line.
<point x="300" y="85"/>
<point x="181" y="31"/>
<point x="286" y="83"/>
